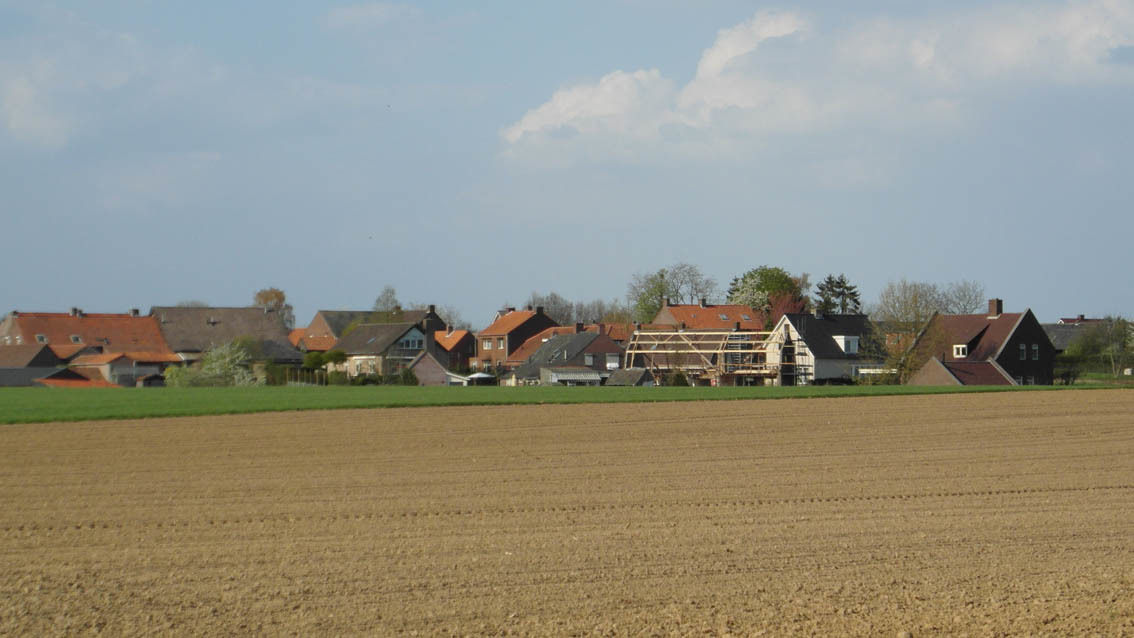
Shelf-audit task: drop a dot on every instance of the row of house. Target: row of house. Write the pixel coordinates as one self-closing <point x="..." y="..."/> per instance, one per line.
<point x="709" y="344"/>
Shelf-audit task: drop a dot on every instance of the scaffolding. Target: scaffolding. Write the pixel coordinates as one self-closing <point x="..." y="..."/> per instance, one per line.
<point x="716" y="356"/>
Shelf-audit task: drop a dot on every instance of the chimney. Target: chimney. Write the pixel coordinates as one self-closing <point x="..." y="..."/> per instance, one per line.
<point x="995" y="307"/>
<point x="432" y="309"/>
<point x="738" y="326"/>
<point x="528" y="307"/>
<point x="509" y="309"/>
<point x="15" y="313"/>
<point x="704" y="302"/>
<point x="1081" y="318"/>
<point x="666" y="301"/>
<point x="578" y="327"/>
<point x="448" y="329"/>
<point x="75" y="312"/>
<point x="538" y="309"/>
<point x="133" y="312"/>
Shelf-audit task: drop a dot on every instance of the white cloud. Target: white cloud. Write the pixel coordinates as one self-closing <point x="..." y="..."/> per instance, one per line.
<point x="883" y="74"/>
<point x="27" y="117"/>
<point x="631" y="104"/>
<point x="369" y="15"/>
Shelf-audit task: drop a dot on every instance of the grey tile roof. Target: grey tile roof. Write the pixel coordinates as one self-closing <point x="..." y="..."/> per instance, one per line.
<point x="627" y="376"/>
<point x="1062" y="334"/>
<point x="22" y="356"/>
<point x="198" y="329"/>
<point x="558" y="349"/>
<point x="25" y="377"/>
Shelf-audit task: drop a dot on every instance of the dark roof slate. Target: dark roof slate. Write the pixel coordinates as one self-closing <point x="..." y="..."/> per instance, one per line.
<point x="627" y="376"/>
<point x="560" y="348"/>
<point x="819" y="332"/>
<point x="372" y="338"/>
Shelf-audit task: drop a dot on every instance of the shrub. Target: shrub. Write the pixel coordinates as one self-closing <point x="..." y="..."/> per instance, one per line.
<point x="407" y="377"/>
<point x="337" y="378"/>
<point x="676" y="379"/>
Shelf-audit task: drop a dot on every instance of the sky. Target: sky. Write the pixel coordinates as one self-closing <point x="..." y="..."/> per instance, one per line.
<point x="156" y="152"/>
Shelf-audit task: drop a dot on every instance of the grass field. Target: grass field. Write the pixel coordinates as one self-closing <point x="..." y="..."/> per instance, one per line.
<point x="961" y="514"/>
<point x="38" y="405"/>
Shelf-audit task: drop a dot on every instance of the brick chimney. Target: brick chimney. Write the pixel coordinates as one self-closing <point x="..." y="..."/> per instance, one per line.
<point x="995" y="307"/>
<point x="432" y="309"/>
<point x="75" y="312"/>
<point x="538" y="309"/>
<point x="578" y="327"/>
<point x="704" y="302"/>
<point x="133" y="312"/>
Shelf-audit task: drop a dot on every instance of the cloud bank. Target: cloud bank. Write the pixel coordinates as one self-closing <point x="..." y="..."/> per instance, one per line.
<point x="779" y="74"/>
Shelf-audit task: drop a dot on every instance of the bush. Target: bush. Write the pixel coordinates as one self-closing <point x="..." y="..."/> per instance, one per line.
<point x="676" y="379"/>
<point x="313" y="360"/>
<point x="407" y="377"/>
<point x="337" y="378"/>
<point x="366" y="379"/>
<point x="275" y="374"/>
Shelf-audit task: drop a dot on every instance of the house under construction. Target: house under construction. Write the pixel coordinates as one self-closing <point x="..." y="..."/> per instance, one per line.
<point x="715" y="357"/>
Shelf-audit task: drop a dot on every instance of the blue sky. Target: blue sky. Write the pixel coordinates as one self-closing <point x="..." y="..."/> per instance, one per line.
<point x="155" y="152"/>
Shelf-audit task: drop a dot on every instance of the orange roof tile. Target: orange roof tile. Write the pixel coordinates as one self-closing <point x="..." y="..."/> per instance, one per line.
<point x="321" y="343"/>
<point x="111" y="332"/>
<point x="76" y="383"/>
<point x="507" y="323"/>
<point x="714" y="317"/>
<point x="450" y="340"/>
<point x="295" y="335"/>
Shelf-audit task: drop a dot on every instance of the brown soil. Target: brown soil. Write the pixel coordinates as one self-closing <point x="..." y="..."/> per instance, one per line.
<point x="962" y="514"/>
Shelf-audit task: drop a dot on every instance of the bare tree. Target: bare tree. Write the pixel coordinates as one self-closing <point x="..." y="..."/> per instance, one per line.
<point x="690" y="284"/>
<point x="964" y="297"/>
<point x="554" y="305"/>
<point x="387" y="301"/>
<point x="910" y="303"/>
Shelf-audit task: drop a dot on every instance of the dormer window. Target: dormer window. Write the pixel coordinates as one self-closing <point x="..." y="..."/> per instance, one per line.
<point x="723" y="316"/>
<point x="76" y="339"/>
<point x="41" y="338"/>
<point x="960" y="351"/>
<point x="849" y="345"/>
<point x="745" y="316"/>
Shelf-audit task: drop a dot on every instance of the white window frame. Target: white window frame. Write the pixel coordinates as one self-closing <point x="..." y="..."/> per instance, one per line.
<point x="1023" y="352"/>
<point x="960" y="351"/>
<point x="588" y="359"/>
<point x="486" y="344"/>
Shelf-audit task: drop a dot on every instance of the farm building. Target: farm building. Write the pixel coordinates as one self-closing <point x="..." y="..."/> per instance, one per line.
<point x="190" y="331"/>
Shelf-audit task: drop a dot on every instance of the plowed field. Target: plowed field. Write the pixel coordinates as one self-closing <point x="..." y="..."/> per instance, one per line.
<point x="956" y="514"/>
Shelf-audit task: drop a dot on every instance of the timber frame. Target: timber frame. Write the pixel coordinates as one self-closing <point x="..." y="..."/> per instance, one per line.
<point x="712" y="355"/>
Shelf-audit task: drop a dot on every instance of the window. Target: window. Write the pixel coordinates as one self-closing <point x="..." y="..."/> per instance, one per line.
<point x="1035" y="352"/>
<point x="588" y="359"/>
<point x="76" y="339"/>
<point x="486" y="344"/>
<point x="1023" y="352"/>
<point x="960" y="351"/>
<point x="1030" y="381"/>
<point x="41" y="338"/>
<point x="745" y="317"/>
<point x="500" y="343"/>
<point x="612" y="361"/>
<point x="723" y="316"/>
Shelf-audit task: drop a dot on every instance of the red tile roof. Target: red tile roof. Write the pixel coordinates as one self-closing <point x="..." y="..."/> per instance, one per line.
<point x="507" y="322"/>
<point x="76" y="383"/>
<point x="450" y="340"/>
<point x="985" y="335"/>
<point x="713" y="317"/>
<point x="319" y="343"/>
<point x="111" y="332"/>
<point x="978" y="373"/>
<point x="295" y="335"/>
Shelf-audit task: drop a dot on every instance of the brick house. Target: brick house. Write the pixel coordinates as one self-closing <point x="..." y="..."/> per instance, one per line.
<point x="997" y="348"/>
<point x="74" y="333"/>
<point x="328" y="326"/>
<point x="508" y="332"/>
<point x="707" y="316"/>
<point x="454" y="348"/>
<point x="381" y="348"/>
<point x="591" y="351"/>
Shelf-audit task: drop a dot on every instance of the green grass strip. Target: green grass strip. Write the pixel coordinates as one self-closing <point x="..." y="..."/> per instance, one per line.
<point x="40" y="405"/>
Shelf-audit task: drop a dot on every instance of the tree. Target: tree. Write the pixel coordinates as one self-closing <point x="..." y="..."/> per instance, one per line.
<point x="387" y="301"/>
<point x="313" y="360"/>
<point x="964" y="297"/>
<point x="554" y="305"/>
<point x="334" y="357"/>
<point x="836" y="294"/>
<point x="771" y="290"/>
<point x="680" y="283"/>
<point x="1104" y="346"/>
<point x="223" y="365"/>
<point x="908" y="304"/>
<point x="646" y="293"/>
<point x="274" y="299"/>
